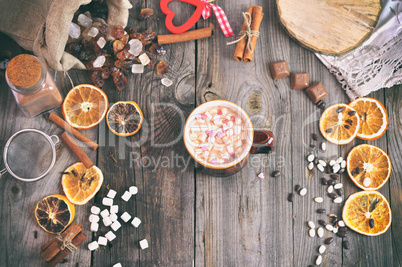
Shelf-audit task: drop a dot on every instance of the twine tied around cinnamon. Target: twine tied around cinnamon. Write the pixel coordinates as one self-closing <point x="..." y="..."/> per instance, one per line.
<point x="66" y="243"/>
<point x="247" y="33"/>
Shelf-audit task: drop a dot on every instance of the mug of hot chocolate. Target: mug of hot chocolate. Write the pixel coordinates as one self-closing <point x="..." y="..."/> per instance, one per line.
<point x="219" y="136"/>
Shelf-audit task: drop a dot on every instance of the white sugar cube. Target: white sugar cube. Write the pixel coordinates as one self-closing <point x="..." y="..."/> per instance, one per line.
<point x="144" y="244"/>
<point x="209" y="116"/>
<point x="84" y="21"/>
<point x="93" y="218"/>
<point x="93" y="32"/>
<point x="102" y="241"/>
<point x="125" y="217"/>
<point x="74" y="31"/>
<point x="94" y="227"/>
<point x="135" y="47"/>
<point x="101" y="42"/>
<point x="113" y="217"/>
<point x="229" y="149"/>
<point x="99" y="61"/>
<point x="224" y="111"/>
<point x="126" y="196"/>
<point x="107" y="201"/>
<point x="117" y="265"/>
<point x="114" y="209"/>
<point x="116" y="226"/>
<point x="107" y="221"/>
<point x="95" y="210"/>
<point x="93" y="245"/>
<point x="137" y="68"/>
<point x="237" y="129"/>
<point x="136" y="222"/>
<point x="105" y="213"/>
<point x="238" y="121"/>
<point x="144" y="59"/>
<point x="133" y="190"/>
<point x="110" y="236"/>
<point x="111" y="193"/>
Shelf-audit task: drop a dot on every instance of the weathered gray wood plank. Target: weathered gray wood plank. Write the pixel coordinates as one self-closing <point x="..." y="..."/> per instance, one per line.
<point x="243" y="220"/>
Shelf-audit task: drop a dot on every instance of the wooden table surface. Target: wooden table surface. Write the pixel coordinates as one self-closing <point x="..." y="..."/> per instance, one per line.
<point x="190" y="218"/>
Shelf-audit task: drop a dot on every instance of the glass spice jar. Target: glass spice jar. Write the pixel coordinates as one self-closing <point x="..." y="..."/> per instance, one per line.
<point x="32" y="85"/>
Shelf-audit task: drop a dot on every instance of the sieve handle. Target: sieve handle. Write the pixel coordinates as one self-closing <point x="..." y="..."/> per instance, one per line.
<point x="2" y="172"/>
<point x="56" y="139"/>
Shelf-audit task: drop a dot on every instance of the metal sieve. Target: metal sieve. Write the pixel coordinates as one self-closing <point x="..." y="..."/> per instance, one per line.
<point x="29" y="155"/>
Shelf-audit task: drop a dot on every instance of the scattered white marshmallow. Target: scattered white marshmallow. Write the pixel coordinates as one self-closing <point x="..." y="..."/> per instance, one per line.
<point x="329" y="227"/>
<point x="338" y="200"/>
<point x="116" y="226"/>
<point x="310" y="166"/>
<point x="320" y="232"/>
<point x="322" y="249"/>
<point x="144" y="244"/>
<point x="111" y="193"/>
<point x="133" y="190"/>
<point x="126" y="196"/>
<point x="125" y="217"/>
<point x="102" y="241"/>
<point x="105" y="213"/>
<point x="107" y="201"/>
<point x="303" y="191"/>
<point x="311" y="224"/>
<point x="366" y="182"/>
<point x="136" y="222"/>
<point x="93" y="218"/>
<point x="320" y="167"/>
<point x="318" y="260"/>
<point x="114" y="209"/>
<point x="117" y="265"/>
<point x="332" y="163"/>
<point x="324" y="146"/>
<point x="107" y="221"/>
<point x="94" y="227"/>
<point x="95" y="210"/>
<point x="261" y="176"/>
<point x="311" y="233"/>
<point x="330" y="189"/>
<point x="113" y="217"/>
<point x="339" y="160"/>
<point x="338" y="186"/>
<point x="93" y="245"/>
<point x="318" y="199"/>
<point x="110" y="236"/>
<point x="341" y="223"/>
<point x="310" y="158"/>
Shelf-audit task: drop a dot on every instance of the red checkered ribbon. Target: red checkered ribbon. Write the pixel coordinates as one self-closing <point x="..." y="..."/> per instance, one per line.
<point x="220" y="15"/>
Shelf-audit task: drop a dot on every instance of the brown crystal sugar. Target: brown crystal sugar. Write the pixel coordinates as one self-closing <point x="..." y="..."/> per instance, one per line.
<point x="24" y="71"/>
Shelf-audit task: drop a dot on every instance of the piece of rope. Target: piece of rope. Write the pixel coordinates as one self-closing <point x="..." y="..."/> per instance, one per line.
<point x="71" y="81"/>
<point x="247" y="33"/>
<point x="66" y="243"/>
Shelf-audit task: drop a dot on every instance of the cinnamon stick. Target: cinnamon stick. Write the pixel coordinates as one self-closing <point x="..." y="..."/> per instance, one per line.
<point x="186" y="36"/>
<point x="81" y="237"/>
<point x="77" y="150"/>
<point x="239" y="51"/>
<point x="68" y="128"/>
<point x="255" y="26"/>
<point x="49" y="251"/>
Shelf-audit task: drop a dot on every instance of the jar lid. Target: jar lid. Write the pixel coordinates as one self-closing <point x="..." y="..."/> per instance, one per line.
<point x="24" y="71"/>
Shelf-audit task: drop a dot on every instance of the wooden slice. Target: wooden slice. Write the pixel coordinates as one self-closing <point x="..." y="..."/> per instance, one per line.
<point x="329" y="26"/>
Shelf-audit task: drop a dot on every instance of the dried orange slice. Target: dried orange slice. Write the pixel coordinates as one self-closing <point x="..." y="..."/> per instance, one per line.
<point x="339" y="124"/>
<point x="368" y="161"/>
<point x="81" y="184"/>
<point x="85" y="106"/>
<point x="124" y="118"/>
<point x="373" y="118"/>
<point x="367" y="212"/>
<point x="54" y="213"/>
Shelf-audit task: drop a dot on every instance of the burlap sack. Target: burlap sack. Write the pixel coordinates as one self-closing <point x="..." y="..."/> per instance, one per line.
<point x="42" y="26"/>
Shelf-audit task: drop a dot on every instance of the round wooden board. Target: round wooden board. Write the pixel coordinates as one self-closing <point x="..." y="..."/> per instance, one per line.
<point x="329" y="26"/>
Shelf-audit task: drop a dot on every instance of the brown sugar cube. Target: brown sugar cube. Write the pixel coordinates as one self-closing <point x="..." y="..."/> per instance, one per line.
<point x="279" y="70"/>
<point x="300" y="81"/>
<point x="317" y="92"/>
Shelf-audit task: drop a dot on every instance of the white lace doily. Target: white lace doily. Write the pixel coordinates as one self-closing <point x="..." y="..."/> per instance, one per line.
<point x="375" y="64"/>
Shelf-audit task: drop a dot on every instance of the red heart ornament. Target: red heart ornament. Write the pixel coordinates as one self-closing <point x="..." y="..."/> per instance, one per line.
<point x="189" y="23"/>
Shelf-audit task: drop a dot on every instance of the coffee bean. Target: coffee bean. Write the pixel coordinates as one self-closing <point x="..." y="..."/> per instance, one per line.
<point x="329" y="130"/>
<point x="323" y="105"/>
<point x="314" y="136"/>
<point x="353" y="173"/>
<point x="321" y="211"/>
<point x="329" y="240"/>
<point x="297" y="188"/>
<point x="328" y="169"/>
<point x="334" y="177"/>
<point x="291" y="197"/>
<point x="341" y="234"/>
<point x="340" y="109"/>
<point x="347" y="126"/>
<point x="342" y="229"/>
<point x="339" y="191"/>
<point x="352" y="113"/>
<point x="276" y="173"/>
<point x="342" y="170"/>
<point x="332" y="195"/>
<point x="323" y="181"/>
<point x="346" y="245"/>
<point x="322" y="222"/>
<point x="319" y="103"/>
<point x="371" y="223"/>
<point x="357" y="170"/>
<point x="313" y="146"/>
<point x="35" y="234"/>
<point x="334" y="220"/>
<point x="316" y="161"/>
<point x="331" y="182"/>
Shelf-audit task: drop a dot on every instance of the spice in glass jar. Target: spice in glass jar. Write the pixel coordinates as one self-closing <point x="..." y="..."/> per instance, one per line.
<point x="32" y="85"/>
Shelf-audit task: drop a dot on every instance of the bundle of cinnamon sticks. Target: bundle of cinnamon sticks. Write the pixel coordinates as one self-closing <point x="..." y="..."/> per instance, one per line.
<point x="242" y="52"/>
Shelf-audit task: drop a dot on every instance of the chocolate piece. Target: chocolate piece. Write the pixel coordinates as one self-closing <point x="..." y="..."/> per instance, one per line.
<point x="317" y="92"/>
<point x="300" y="81"/>
<point x="279" y="70"/>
